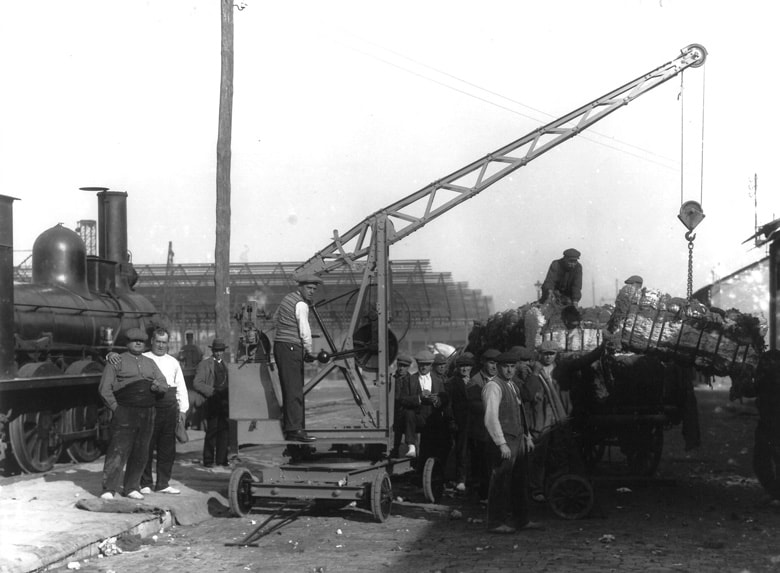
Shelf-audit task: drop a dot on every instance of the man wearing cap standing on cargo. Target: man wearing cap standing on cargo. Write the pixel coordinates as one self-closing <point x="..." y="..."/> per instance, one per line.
<point x="293" y="347"/>
<point x="211" y="380"/>
<point x="129" y="389"/>
<point x="563" y="283"/>
<point x="505" y="422"/>
<point x="629" y="294"/>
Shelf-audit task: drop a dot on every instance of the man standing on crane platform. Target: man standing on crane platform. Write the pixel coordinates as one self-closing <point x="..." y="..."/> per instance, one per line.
<point x="293" y="346"/>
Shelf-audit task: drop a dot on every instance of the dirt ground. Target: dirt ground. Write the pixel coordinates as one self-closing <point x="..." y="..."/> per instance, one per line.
<point x="704" y="511"/>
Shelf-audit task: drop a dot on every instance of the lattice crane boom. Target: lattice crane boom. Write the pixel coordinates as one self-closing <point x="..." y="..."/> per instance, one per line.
<point x="448" y="192"/>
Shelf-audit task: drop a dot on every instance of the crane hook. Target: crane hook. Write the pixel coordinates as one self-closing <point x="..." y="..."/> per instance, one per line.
<point x="690" y="236"/>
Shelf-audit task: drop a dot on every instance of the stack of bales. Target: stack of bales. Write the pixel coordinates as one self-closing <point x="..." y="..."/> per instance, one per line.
<point x="533" y="323"/>
<point x="648" y="322"/>
<point x="687" y="332"/>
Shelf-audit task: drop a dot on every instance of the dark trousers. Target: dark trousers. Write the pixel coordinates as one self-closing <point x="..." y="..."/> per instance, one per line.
<point x="479" y="465"/>
<point x="131" y="430"/>
<point x="508" y="498"/>
<point x="215" y="442"/>
<point x="537" y="462"/>
<point x="410" y="422"/>
<point x="164" y="443"/>
<point x="460" y="452"/>
<point x="289" y="360"/>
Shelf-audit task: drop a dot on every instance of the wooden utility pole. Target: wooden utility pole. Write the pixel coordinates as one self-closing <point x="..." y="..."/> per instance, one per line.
<point x="222" y="247"/>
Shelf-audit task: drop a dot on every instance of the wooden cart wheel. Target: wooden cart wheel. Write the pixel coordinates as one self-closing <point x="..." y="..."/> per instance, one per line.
<point x="433" y="480"/>
<point x="593" y="453"/>
<point x="571" y="496"/>
<point x="381" y="496"/>
<point x="240" y="492"/>
<point x="644" y="458"/>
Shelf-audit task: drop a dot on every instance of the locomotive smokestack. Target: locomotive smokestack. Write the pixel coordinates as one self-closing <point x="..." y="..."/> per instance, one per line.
<point x="112" y="234"/>
<point x="7" y="364"/>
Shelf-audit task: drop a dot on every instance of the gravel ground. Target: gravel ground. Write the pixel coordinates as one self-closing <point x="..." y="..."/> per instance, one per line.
<point x="704" y="512"/>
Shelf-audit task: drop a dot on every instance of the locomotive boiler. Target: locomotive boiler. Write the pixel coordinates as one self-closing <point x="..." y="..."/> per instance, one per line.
<point x="55" y="332"/>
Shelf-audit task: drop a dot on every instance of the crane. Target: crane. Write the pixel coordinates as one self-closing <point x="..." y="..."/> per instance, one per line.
<point x="365" y="247"/>
<point x="370" y="345"/>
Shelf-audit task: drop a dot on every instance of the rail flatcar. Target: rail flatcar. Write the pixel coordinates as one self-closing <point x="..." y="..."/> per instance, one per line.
<point x="55" y="332"/>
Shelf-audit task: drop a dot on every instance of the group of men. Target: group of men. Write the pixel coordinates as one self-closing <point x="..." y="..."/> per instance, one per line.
<point x="148" y="397"/>
<point x="495" y="424"/>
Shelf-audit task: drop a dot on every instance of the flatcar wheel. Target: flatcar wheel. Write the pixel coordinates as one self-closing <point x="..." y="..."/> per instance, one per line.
<point x="76" y="420"/>
<point x="570" y="496"/>
<point x="36" y="441"/>
<point x="381" y="496"/>
<point x="240" y="492"/>
<point x="433" y="480"/>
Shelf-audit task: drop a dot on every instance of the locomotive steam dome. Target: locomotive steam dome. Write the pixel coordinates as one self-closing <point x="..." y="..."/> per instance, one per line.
<point x="59" y="257"/>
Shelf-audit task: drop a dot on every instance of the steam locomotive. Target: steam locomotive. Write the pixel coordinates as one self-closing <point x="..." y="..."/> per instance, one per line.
<point x="55" y="333"/>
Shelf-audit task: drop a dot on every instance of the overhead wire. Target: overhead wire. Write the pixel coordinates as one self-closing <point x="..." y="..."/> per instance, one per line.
<point x="498" y="105"/>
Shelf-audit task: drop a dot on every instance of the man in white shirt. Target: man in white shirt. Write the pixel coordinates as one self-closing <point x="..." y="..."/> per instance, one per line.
<point x="169" y="409"/>
<point x="505" y="422"/>
<point x="421" y="405"/>
<point x="293" y="347"/>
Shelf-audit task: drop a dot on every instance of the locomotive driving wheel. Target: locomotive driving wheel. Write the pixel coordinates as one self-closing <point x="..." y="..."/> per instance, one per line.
<point x="35" y="436"/>
<point x="85" y="418"/>
<point x="36" y="441"/>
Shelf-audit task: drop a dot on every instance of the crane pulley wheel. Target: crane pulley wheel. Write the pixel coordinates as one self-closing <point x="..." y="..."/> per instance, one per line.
<point x="699" y="54"/>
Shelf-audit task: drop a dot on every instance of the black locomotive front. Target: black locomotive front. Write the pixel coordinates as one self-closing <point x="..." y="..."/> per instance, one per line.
<point x="55" y="332"/>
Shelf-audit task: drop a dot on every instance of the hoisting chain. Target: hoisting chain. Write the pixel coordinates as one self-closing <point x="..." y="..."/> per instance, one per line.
<point x="690" y="236"/>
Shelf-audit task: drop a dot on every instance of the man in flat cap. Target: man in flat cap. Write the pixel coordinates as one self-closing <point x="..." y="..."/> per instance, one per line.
<point x="439" y="367"/>
<point x="563" y="283"/>
<point x="293" y="347"/>
<point x="510" y="443"/>
<point x="211" y="380"/>
<point x="477" y="436"/>
<point x="456" y="389"/>
<point x="554" y="379"/>
<point x="400" y="380"/>
<point x="129" y="389"/>
<point x="628" y="295"/>
<point x="423" y="402"/>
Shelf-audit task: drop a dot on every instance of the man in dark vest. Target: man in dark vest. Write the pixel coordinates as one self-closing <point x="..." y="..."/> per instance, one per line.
<point x="129" y="389"/>
<point x="293" y="347"/>
<point x="211" y="380"/>
<point x="510" y="441"/>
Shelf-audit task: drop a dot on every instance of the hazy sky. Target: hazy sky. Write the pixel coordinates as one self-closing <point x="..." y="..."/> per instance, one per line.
<point x="342" y="108"/>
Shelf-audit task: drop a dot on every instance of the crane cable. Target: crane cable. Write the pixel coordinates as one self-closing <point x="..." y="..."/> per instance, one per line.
<point x="690" y="236"/>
